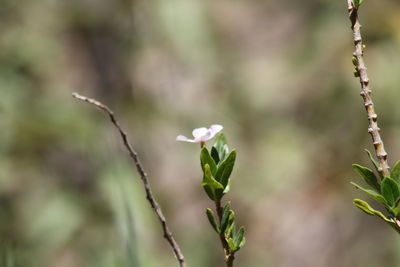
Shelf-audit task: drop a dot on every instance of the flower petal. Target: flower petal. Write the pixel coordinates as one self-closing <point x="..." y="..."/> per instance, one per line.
<point x="198" y="133"/>
<point x="185" y="139"/>
<point x="205" y="137"/>
<point x="214" y="129"/>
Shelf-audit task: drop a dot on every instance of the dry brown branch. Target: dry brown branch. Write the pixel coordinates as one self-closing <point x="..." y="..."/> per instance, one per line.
<point x="373" y="128"/>
<point x="143" y="176"/>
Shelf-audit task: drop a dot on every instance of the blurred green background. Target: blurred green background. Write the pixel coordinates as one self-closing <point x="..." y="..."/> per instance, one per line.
<point x="276" y="74"/>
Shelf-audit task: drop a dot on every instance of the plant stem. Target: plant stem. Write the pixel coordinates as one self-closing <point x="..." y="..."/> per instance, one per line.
<point x="229" y="255"/>
<point x="143" y="176"/>
<point x="373" y="128"/>
<point x="229" y="262"/>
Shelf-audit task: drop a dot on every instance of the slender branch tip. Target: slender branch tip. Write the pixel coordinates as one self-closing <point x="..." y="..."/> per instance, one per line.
<point x="143" y="176"/>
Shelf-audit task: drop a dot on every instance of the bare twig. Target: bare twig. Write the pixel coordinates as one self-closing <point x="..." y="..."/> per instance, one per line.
<point x="143" y="176"/>
<point x="373" y="128"/>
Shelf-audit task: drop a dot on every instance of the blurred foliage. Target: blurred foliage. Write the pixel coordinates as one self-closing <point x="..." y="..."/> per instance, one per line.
<point x="276" y="74"/>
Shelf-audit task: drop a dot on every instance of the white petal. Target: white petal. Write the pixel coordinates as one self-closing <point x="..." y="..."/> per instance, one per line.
<point x="185" y="139"/>
<point x="214" y="129"/>
<point x="198" y="133"/>
<point x="205" y="137"/>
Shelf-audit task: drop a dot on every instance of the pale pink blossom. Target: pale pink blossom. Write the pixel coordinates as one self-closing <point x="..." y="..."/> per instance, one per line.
<point x="201" y="135"/>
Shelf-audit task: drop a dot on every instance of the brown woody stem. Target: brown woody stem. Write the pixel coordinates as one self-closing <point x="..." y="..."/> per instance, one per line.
<point x="143" y="176"/>
<point x="373" y="128"/>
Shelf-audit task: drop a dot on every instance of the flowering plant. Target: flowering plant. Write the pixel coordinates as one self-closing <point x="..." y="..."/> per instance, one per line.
<point x="217" y="167"/>
<point x="201" y="135"/>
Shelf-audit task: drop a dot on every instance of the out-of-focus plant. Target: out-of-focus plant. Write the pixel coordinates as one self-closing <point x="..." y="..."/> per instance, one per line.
<point x="384" y="184"/>
<point x="217" y="166"/>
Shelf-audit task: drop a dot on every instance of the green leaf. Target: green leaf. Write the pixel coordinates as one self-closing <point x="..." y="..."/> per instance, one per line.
<point x="211" y="219"/>
<point x="375" y="195"/>
<point x="367" y="175"/>
<point x="364" y="206"/>
<point x="395" y="211"/>
<point x="226" y="220"/>
<point x="227" y="187"/>
<point x="221" y="145"/>
<point x="226" y="212"/>
<point x="205" y="158"/>
<point x="231" y="244"/>
<point x="239" y="238"/>
<point x="390" y="191"/>
<point x="215" y="189"/>
<point x="395" y="173"/>
<point x="209" y="191"/>
<point x="231" y="230"/>
<point x="375" y="163"/>
<point x="231" y="218"/>
<point x="214" y="155"/>
<point x="357" y="3"/>
<point x="355" y="61"/>
<point x="225" y="169"/>
<point x="241" y="243"/>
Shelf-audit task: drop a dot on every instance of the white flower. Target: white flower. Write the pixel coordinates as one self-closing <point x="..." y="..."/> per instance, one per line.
<point x="201" y="135"/>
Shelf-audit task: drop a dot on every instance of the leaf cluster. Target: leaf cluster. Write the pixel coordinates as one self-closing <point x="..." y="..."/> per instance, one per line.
<point x="384" y="190"/>
<point x="227" y="228"/>
<point x="217" y="168"/>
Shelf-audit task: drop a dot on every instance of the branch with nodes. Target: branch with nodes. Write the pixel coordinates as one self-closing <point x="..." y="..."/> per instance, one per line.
<point x="143" y="176"/>
<point x="361" y="72"/>
<point x="386" y="190"/>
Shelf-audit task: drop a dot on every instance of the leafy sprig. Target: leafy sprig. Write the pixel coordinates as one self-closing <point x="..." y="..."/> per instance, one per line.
<point x="217" y="168"/>
<point x="384" y="190"/>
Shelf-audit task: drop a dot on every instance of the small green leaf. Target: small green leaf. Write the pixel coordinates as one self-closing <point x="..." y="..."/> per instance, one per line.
<point x="357" y="3"/>
<point x="239" y="238"/>
<point x="227" y="187"/>
<point x="355" y="61"/>
<point x="390" y="191"/>
<point x="231" y="230"/>
<point x="395" y="173"/>
<point x="364" y="206"/>
<point x="205" y="158"/>
<point x="367" y="175"/>
<point x="231" y="218"/>
<point x="225" y="169"/>
<point x="395" y="211"/>
<point x="212" y="187"/>
<point x="241" y="244"/>
<point x="375" y="163"/>
<point x="375" y="195"/>
<point x="209" y="191"/>
<point x="221" y="145"/>
<point x="214" y="155"/>
<point x="225" y="212"/>
<point x="226" y="220"/>
<point x="231" y="244"/>
<point x="211" y="219"/>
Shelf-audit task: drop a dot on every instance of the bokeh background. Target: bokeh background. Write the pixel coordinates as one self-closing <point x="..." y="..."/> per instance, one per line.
<point x="276" y="74"/>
